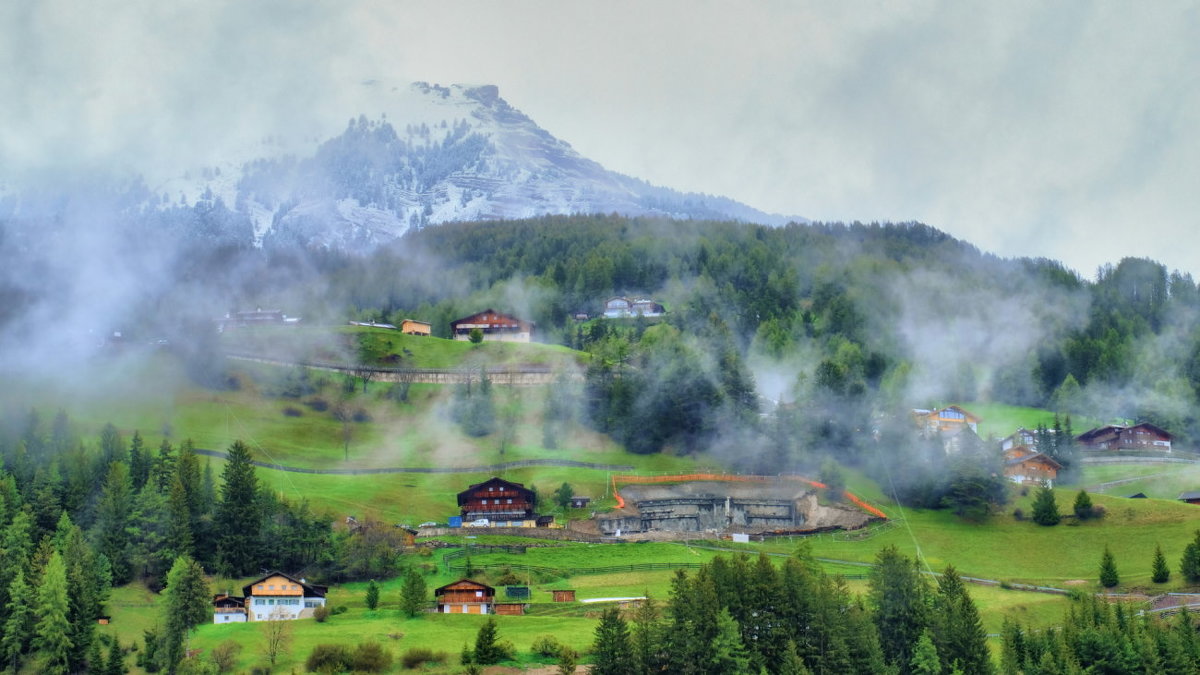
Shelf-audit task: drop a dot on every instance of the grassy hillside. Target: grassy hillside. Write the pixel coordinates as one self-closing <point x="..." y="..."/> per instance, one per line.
<point x="1000" y="419"/>
<point x="385" y="347"/>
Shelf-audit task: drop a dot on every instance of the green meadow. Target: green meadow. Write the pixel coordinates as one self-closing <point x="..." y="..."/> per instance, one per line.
<point x="153" y="395"/>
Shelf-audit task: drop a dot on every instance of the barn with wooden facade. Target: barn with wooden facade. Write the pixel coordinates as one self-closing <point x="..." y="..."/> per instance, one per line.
<point x="414" y="327"/>
<point x="496" y="327"/>
<point x="465" y="597"/>
<point x="1030" y="467"/>
<point x="1144" y="436"/>
<point x="564" y="595"/>
<point x="498" y="500"/>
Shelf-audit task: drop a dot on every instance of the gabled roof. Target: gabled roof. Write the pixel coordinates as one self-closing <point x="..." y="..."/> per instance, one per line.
<point x="1098" y="431"/>
<point x="309" y="589"/>
<point x="1039" y="457"/>
<point x="499" y="317"/>
<point x="1188" y="496"/>
<point x="498" y="482"/>
<point x="1155" y="429"/>
<point x="464" y="583"/>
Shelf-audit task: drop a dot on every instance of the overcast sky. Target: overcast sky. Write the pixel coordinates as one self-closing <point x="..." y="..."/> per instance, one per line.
<point x="1069" y="130"/>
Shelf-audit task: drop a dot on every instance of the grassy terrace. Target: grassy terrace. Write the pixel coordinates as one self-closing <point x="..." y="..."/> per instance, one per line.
<point x="135" y="609"/>
<point x="384" y="347"/>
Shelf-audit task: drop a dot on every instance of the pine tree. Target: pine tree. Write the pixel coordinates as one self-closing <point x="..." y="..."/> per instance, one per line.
<point x="897" y="593"/>
<point x="114" y="514"/>
<point x="1045" y="508"/>
<point x="1083" y="505"/>
<point x="925" y="659"/>
<point x="186" y="606"/>
<point x="18" y="628"/>
<point x="611" y="650"/>
<point x="139" y="462"/>
<point x="1159" y="573"/>
<point x="53" y="628"/>
<point x="1108" y="570"/>
<point x="791" y="663"/>
<point x="115" y="664"/>
<point x="487" y="651"/>
<point x="646" y="638"/>
<point x="238" y="517"/>
<point x="1189" y="565"/>
<point x="958" y="634"/>
<point x="728" y="652"/>
<point x="372" y="595"/>
<point x="413" y="593"/>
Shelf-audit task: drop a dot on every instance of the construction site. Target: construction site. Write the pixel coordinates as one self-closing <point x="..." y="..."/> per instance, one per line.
<point x="727" y="504"/>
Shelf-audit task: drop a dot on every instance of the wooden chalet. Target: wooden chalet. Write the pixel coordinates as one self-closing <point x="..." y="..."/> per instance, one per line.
<point x="1144" y="436"/>
<point x="278" y="595"/>
<point x="228" y="609"/>
<point x="946" y="419"/>
<point x="495" y="326"/>
<point x="465" y="597"/>
<point x="1021" y="436"/>
<point x="498" y="500"/>
<point x="1190" y="497"/>
<point x="564" y="595"/>
<point x="580" y="502"/>
<point x="414" y="327"/>
<point x="1030" y="467"/>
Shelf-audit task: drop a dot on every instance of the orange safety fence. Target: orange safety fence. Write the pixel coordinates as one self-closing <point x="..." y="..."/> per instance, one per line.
<point x="734" y="478"/>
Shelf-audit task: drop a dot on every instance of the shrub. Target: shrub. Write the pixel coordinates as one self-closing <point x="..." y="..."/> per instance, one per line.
<point x="318" y="404"/>
<point x="361" y="416"/>
<point x="291" y="411"/>
<point x="1083" y="505"/>
<point x="340" y="609"/>
<point x="418" y="656"/>
<point x="321" y="614"/>
<point x="509" y="579"/>
<point x="546" y="645"/>
<point x="370" y="657"/>
<point x="1018" y="514"/>
<point x="328" y="658"/>
<point x="224" y="656"/>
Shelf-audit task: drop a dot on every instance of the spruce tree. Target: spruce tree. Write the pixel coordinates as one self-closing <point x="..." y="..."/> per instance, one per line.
<point x="186" y="606"/>
<point x="728" y="652"/>
<point x="898" y="592"/>
<point x="611" y="651"/>
<point x="1159" y="572"/>
<point x="1083" y="505"/>
<point x="791" y="663"/>
<point x="53" y="628"/>
<point x="413" y="593"/>
<point x="238" y="517"/>
<point x="1189" y="565"/>
<point x="114" y="514"/>
<point x="487" y="651"/>
<point x="139" y="462"/>
<point x="18" y="627"/>
<point x="1108" y="570"/>
<point x="925" y="659"/>
<point x="1045" y="508"/>
<point x="959" y="635"/>
<point x="372" y="595"/>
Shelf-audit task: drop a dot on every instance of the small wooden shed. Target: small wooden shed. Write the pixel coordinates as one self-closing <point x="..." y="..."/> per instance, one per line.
<point x="510" y="608"/>
<point x="565" y="595"/>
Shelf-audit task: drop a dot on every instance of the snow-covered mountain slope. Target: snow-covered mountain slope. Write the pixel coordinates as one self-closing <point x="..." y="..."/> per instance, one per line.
<point x="436" y="154"/>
